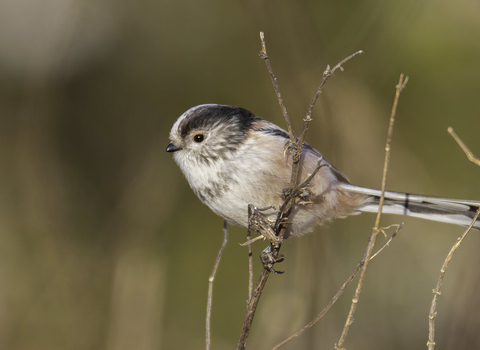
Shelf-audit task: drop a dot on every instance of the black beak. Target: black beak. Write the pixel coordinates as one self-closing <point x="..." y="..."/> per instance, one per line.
<point x="172" y="148"/>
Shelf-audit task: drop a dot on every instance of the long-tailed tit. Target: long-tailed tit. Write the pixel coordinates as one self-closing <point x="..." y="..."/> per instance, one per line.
<point x="232" y="158"/>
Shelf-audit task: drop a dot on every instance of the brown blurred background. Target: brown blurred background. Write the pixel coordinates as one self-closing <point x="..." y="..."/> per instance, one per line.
<point x="104" y="245"/>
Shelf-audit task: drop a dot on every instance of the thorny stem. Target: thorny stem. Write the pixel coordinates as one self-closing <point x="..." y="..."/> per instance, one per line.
<point x="399" y="88"/>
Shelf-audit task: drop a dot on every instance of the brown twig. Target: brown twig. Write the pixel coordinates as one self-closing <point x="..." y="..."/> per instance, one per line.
<point x="280" y="226"/>
<point x="250" y="271"/>
<point x="382" y="229"/>
<point x="250" y="260"/>
<point x="400" y="86"/>
<point x="210" y="284"/>
<point x="327" y="74"/>
<point x="290" y="198"/>
<point x="340" y="291"/>
<point x="251" y="308"/>
<point x="263" y="54"/>
<point x="437" y="291"/>
<point x="464" y="147"/>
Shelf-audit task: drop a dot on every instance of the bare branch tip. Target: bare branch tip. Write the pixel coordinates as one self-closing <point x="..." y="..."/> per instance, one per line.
<point x="402" y="82"/>
<point x="471" y="157"/>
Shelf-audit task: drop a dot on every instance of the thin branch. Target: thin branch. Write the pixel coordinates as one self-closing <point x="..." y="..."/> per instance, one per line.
<point x="210" y="284"/>
<point x="339" y="292"/>
<point x="327" y="74"/>
<point x="263" y="54"/>
<point x="250" y="259"/>
<point x="399" y="88"/>
<point x="281" y="223"/>
<point x="250" y="272"/>
<point x="387" y="243"/>
<point x="437" y="291"/>
<point x="251" y="308"/>
<point x="289" y="199"/>
<point x="250" y="242"/>
<point x="464" y="147"/>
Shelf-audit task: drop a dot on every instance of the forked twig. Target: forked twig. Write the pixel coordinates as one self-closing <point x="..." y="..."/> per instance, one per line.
<point x="327" y="74"/>
<point x="210" y="284"/>
<point x="387" y="243"/>
<point x="340" y="291"/>
<point x="399" y="88"/>
<point x="437" y="291"/>
<point x="281" y="224"/>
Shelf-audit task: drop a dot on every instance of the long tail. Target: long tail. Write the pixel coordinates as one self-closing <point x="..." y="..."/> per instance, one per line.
<point x="454" y="211"/>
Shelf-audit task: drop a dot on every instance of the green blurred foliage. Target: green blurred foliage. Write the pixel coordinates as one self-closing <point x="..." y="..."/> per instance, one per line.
<point x="104" y="246"/>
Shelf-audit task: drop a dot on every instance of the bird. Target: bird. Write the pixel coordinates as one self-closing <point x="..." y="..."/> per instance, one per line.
<point x="232" y="158"/>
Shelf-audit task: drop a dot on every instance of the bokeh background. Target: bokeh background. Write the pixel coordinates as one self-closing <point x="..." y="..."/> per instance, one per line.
<point x="104" y="245"/>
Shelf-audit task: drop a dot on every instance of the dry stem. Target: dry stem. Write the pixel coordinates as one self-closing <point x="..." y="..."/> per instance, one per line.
<point x="263" y="54"/>
<point x="250" y="267"/>
<point x="464" y="147"/>
<point x="437" y="291"/>
<point x="400" y="86"/>
<point x="280" y="226"/>
<point x="250" y="259"/>
<point x="340" y="291"/>
<point x="327" y="74"/>
<point x="210" y="284"/>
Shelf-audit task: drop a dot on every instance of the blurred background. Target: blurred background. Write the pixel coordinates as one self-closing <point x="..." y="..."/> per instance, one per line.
<point x="104" y="245"/>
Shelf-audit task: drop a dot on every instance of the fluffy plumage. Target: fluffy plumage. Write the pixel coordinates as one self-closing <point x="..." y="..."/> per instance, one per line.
<point x="232" y="158"/>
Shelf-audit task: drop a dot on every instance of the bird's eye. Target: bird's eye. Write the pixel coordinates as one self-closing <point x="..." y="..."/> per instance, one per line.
<point x="198" y="138"/>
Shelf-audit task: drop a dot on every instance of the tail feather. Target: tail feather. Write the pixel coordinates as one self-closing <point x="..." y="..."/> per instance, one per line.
<point x="453" y="211"/>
